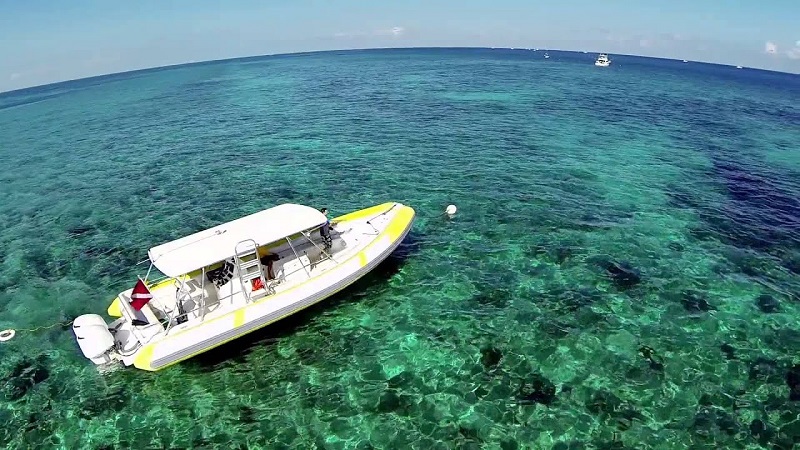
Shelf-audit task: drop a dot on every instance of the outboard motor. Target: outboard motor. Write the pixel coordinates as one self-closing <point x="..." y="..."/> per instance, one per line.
<point x="94" y="338"/>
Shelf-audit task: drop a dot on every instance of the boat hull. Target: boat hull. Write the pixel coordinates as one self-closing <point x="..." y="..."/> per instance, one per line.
<point x="173" y="348"/>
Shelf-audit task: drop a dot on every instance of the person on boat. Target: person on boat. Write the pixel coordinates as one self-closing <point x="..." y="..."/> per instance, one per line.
<point x="325" y="230"/>
<point x="266" y="260"/>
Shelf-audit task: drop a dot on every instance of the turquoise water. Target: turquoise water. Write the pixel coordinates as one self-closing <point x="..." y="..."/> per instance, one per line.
<point x="623" y="271"/>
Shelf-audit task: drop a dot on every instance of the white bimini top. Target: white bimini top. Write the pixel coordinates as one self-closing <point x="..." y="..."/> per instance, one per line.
<point x="213" y="245"/>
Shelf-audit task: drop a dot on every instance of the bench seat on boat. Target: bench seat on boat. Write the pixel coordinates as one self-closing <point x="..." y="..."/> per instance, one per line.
<point x="144" y="332"/>
<point x="293" y="266"/>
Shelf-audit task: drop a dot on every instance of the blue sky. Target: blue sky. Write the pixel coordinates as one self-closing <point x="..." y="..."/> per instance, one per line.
<point x="48" y="41"/>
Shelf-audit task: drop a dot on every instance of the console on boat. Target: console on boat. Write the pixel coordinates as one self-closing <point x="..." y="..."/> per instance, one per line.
<point x="221" y="283"/>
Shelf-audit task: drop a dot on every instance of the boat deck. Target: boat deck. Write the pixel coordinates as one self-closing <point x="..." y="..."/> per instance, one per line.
<point x="203" y="300"/>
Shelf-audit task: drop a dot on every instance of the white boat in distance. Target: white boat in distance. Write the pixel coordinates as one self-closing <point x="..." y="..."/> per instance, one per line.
<point x="602" y="61"/>
<point x="229" y="280"/>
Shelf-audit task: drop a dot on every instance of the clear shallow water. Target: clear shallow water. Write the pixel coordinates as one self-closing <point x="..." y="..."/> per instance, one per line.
<point x="602" y="213"/>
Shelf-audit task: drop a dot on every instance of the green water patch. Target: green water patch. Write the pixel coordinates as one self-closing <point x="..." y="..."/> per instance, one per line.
<point x="598" y="287"/>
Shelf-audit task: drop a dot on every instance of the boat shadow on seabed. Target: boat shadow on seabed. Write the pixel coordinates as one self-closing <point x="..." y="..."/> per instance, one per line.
<point x="375" y="282"/>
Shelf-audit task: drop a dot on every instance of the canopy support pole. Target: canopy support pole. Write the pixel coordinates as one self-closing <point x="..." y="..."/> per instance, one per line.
<point x="203" y="294"/>
<point x="328" y="255"/>
<point x="298" y="257"/>
<point x="147" y="275"/>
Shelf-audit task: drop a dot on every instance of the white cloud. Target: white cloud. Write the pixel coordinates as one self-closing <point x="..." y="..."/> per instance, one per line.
<point x="394" y="31"/>
<point x="794" y="53"/>
<point x="14" y="76"/>
<point x="770" y="47"/>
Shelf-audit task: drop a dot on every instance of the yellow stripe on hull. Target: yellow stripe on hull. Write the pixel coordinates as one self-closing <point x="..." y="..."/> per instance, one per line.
<point x="238" y="318"/>
<point x="145" y="357"/>
<point x="114" y="309"/>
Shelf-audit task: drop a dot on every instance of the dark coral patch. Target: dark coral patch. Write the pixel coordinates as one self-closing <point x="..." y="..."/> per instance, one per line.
<point x="695" y="302"/>
<point x="621" y="273"/>
<point x="490" y="357"/>
<point x="767" y="303"/>
<point x="537" y="390"/>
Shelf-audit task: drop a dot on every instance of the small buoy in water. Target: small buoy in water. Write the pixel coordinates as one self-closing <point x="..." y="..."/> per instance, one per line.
<point x="451" y="209"/>
<point x="6" y="335"/>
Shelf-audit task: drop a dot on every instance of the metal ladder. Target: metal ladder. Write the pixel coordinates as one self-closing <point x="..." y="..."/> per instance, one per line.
<point x="250" y="268"/>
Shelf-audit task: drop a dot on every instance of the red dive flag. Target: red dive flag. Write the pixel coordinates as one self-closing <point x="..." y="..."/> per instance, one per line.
<point x="140" y="295"/>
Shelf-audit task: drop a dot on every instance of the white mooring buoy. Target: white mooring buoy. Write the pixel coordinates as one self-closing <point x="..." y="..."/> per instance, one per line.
<point x="451" y="209"/>
<point x="7" y="335"/>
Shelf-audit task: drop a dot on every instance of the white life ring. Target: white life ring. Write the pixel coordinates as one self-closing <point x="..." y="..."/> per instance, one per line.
<point x="7" y="335"/>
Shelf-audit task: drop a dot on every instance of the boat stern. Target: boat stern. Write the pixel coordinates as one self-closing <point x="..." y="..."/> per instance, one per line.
<point x="120" y="342"/>
<point x="95" y="339"/>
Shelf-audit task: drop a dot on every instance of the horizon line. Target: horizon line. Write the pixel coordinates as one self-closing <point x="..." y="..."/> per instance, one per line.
<point x="191" y="63"/>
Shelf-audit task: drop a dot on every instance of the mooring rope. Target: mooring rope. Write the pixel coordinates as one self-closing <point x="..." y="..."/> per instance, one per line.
<point x="7" y="335"/>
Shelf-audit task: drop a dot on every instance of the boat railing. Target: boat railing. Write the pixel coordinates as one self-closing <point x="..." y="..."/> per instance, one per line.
<point x="325" y="255"/>
<point x="308" y="272"/>
<point x="158" y="280"/>
<point x="202" y="304"/>
<point x="201" y="300"/>
<point x="307" y="235"/>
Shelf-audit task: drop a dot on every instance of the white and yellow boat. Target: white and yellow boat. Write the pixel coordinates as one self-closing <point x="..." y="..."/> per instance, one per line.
<point x="217" y="284"/>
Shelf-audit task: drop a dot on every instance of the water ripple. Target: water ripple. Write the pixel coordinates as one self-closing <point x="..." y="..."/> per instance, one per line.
<point x="624" y="269"/>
